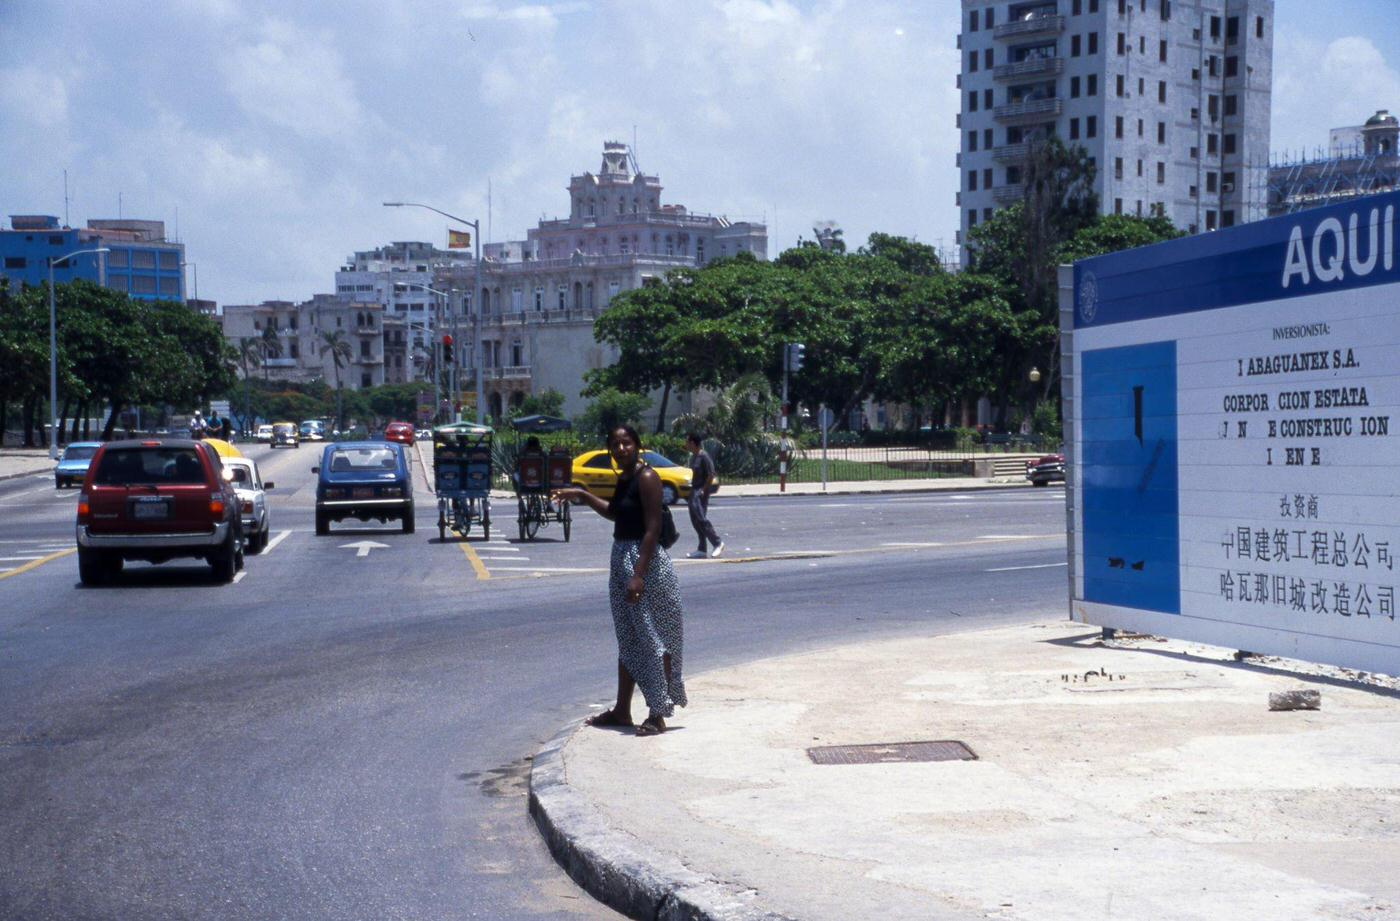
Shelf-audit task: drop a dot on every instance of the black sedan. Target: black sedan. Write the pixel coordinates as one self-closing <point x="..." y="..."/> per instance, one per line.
<point x="1047" y="469"/>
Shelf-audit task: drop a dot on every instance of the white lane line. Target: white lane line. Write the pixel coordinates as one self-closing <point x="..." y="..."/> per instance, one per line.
<point x="545" y="569"/>
<point x="281" y="536"/>
<point x="1037" y="566"/>
<point x="1007" y="536"/>
<point x="512" y="559"/>
<point x="912" y="543"/>
<point x="238" y="577"/>
<point x="11" y="559"/>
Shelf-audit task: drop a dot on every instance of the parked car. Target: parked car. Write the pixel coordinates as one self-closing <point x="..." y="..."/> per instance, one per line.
<point x="252" y="500"/>
<point x="423" y="435"/>
<point x="594" y="471"/>
<point x="312" y="430"/>
<point x="285" y="434"/>
<point x="363" y="480"/>
<point x="73" y="464"/>
<point x="1043" y="470"/>
<point x="264" y="434"/>
<point x="156" y="501"/>
<point x="401" y="432"/>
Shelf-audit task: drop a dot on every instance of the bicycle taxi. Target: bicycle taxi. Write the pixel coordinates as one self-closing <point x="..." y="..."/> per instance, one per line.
<point x="462" y="477"/>
<point x="538" y="473"/>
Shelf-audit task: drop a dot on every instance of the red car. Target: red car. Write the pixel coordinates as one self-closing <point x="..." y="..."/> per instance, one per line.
<point x="156" y="501"/>
<point x="402" y="432"/>
<point x="1046" y="469"/>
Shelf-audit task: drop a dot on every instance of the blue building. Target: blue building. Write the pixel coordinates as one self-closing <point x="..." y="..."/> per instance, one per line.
<point x="142" y="263"/>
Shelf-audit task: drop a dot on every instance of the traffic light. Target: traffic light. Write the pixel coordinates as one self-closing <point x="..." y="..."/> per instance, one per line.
<point x="447" y="350"/>
<point x="797" y="353"/>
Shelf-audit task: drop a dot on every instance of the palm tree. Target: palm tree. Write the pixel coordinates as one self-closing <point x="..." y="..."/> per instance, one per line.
<point x="249" y="355"/>
<point x="271" y="346"/>
<point x="338" y="347"/>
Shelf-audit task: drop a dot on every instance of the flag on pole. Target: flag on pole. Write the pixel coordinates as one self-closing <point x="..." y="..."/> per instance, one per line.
<point x="459" y="239"/>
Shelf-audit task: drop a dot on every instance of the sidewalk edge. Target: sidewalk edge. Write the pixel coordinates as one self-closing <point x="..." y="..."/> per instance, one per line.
<point x="611" y="865"/>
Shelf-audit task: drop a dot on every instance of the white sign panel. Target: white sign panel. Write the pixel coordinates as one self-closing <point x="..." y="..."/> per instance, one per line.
<point x="1233" y="408"/>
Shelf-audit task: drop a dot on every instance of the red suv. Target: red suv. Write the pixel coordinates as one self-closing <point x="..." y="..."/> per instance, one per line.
<point x="155" y="501"/>
<point x="401" y="432"/>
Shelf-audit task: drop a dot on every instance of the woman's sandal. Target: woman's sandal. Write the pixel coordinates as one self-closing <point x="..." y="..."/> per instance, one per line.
<point x="652" y="726"/>
<point x="608" y="718"/>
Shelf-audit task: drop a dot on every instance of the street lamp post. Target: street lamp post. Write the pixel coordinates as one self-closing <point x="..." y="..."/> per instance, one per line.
<point x="447" y="299"/>
<point x="53" y="349"/>
<point x="476" y="300"/>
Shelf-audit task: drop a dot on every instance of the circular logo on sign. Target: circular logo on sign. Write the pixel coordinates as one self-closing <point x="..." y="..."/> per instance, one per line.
<point x="1088" y="297"/>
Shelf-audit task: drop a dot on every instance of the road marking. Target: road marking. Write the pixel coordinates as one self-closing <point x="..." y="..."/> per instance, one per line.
<point x="548" y="569"/>
<point x="281" y="536"/>
<point x="34" y="564"/>
<point x="13" y="559"/>
<point x="513" y="559"/>
<point x="1008" y="536"/>
<point x="238" y="577"/>
<point x="1037" y="566"/>
<point x="363" y="547"/>
<point x="477" y="566"/>
<point x="912" y="543"/>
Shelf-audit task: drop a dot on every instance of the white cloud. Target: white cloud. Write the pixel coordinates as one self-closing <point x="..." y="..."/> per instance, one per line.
<point x="1321" y="85"/>
<point x="295" y="81"/>
<point x="34" y="95"/>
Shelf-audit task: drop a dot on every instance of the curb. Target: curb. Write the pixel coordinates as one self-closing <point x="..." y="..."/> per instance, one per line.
<point x="16" y="476"/>
<point x="921" y="490"/>
<point x="612" y="866"/>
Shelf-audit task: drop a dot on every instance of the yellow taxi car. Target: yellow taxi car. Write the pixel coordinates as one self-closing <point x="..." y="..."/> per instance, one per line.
<point x="594" y="471"/>
<point x="222" y="448"/>
<point x="285" y="433"/>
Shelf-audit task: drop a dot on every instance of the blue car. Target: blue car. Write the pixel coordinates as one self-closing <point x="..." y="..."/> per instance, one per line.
<point x="363" y="480"/>
<point x="73" y="465"/>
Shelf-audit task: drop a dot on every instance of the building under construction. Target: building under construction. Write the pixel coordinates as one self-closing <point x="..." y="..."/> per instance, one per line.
<point x="1359" y="161"/>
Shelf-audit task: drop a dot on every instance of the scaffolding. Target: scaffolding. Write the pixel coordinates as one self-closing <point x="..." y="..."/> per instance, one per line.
<point x="1299" y="181"/>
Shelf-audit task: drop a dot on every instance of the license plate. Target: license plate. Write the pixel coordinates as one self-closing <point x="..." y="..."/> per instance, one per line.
<point x="363" y="492"/>
<point x="148" y="509"/>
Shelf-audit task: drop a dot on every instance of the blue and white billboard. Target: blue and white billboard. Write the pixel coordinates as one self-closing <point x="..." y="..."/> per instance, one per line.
<point x="1234" y="462"/>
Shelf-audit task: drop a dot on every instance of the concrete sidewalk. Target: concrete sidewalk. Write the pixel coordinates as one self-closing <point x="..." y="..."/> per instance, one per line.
<point x="1143" y="779"/>
<point x="18" y="462"/>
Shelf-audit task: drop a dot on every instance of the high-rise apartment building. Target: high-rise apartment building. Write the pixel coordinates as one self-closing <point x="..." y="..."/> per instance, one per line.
<point x="1170" y="98"/>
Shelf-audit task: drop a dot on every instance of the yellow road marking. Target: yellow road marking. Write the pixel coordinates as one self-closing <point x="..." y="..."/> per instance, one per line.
<point x="479" y="567"/>
<point x="37" y="563"/>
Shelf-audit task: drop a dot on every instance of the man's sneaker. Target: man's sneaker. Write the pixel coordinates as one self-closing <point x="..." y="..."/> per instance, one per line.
<point x="696" y="555"/>
<point x="716" y="552"/>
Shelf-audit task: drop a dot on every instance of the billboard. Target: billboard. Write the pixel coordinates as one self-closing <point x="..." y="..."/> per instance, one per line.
<point x="1230" y="409"/>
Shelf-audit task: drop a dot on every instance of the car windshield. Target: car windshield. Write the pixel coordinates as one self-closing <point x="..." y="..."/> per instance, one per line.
<point x="149" y="466"/>
<point x="309" y="427"/>
<point x="282" y="429"/>
<point x="359" y="460"/>
<point x="656" y="460"/>
<point x="79" y="452"/>
<point x="240" y="474"/>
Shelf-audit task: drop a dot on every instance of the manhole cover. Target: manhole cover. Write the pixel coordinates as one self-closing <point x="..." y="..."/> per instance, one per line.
<point x="891" y="752"/>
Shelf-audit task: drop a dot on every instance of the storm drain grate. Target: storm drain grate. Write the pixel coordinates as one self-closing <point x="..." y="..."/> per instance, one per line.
<point x="891" y="753"/>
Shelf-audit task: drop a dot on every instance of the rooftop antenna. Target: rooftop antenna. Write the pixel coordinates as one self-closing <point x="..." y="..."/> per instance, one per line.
<point x="119" y="206"/>
<point x="65" y="198"/>
<point x="488" y="211"/>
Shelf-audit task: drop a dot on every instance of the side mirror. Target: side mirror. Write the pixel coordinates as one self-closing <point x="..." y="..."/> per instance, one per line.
<point x="315" y="469"/>
<point x="267" y="485"/>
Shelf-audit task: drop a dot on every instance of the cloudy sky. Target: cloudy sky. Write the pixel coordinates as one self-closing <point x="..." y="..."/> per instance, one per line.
<point x="276" y="129"/>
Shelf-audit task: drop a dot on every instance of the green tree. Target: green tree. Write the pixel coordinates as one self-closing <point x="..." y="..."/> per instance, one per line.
<point x="610" y="408"/>
<point x="271" y="348"/>
<point x="545" y="403"/>
<point x="335" y="345"/>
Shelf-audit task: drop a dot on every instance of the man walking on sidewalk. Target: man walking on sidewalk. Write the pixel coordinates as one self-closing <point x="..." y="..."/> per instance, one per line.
<point x="702" y="479"/>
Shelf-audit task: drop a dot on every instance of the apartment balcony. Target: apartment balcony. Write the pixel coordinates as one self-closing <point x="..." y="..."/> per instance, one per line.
<point x="1030" y="68"/>
<point x="1027" y="28"/>
<point x="1011" y="153"/>
<point x="1031" y="110"/>
<point x="1008" y="194"/>
<point x="368" y="360"/>
<point x="508" y="373"/>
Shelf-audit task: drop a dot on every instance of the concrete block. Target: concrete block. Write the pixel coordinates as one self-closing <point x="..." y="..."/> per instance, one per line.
<point x="1295" y="700"/>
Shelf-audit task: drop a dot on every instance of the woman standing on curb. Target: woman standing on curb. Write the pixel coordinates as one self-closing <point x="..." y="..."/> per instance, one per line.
<point x="642" y="587"/>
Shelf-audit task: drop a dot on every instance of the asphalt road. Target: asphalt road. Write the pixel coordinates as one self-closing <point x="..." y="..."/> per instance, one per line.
<point x="346" y="736"/>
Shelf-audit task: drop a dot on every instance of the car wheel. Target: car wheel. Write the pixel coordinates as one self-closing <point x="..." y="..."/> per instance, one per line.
<point x="90" y="567"/>
<point x="668" y="494"/>
<point x="323" y="523"/>
<point x="408" y="521"/>
<point x="224" y="562"/>
<point x="1041" y="482"/>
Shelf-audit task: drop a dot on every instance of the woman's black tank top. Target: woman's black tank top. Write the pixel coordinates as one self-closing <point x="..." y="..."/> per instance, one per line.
<point x="629" y="520"/>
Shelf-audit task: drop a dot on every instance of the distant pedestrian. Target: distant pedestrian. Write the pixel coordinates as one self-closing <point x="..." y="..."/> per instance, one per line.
<point x="227" y="431"/>
<point x="197" y="425"/>
<point x="702" y="486"/>
<point x="642" y="589"/>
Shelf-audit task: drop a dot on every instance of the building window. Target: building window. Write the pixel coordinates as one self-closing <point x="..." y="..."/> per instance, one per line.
<point x="1213" y="66"/>
<point x="143" y="259"/>
<point x="972" y="217"/>
<point x="1227" y="182"/>
<point x="366" y="379"/>
<point x="1093" y="43"/>
<point x="1118" y="206"/>
<point x="169" y="260"/>
<point x="1229" y="146"/>
<point x="1117" y="167"/>
<point x="1232" y="105"/>
<point x="1166" y="10"/>
<point x="1091" y="126"/>
<point x="1093" y="6"/>
<point x="1215" y="28"/>
<point x="1211" y="187"/>
<point x="1161" y="173"/>
<point x="292" y="350"/>
<point x="1258" y="26"/>
<point x="987" y="59"/>
<point x="143" y="284"/>
<point x="1232" y="30"/>
<point x="1093" y="85"/>
<point x="1192" y="192"/>
<point x="991" y="18"/>
<point x="1074" y="46"/>
<point x="1118" y="126"/>
<point x="700" y="251"/>
<point x="1076" y="7"/>
<point x="15" y="262"/>
<point x="1162" y="51"/>
<point x="170" y="286"/>
<point x="972" y="180"/>
<point x="1074" y="129"/>
<point x="1227" y="219"/>
<point x="1139" y="169"/>
<point x="986" y="178"/>
<point x="1210" y="220"/>
<point x="972" y="21"/>
<point x="539" y="298"/>
<point x="1232" y="66"/>
<point x="563" y="293"/>
<point x="1120" y="84"/>
<point x="1161" y="91"/>
<point x="972" y="60"/>
<point x="1122" y="43"/>
<point x="1161" y="132"/>
<point x="987" y="99"/>
<point x="1140" y="123"/>
<point x="1194" y="153"/>
<point x="1212" y="144"/>
<point x="1122" y="7"/>
<point x="117" y="258"/>
<point x="364" y="348"/>
<point x="987" y="139"/>
<point x="972" y="141"/>
<point x="1073" y="87"/>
